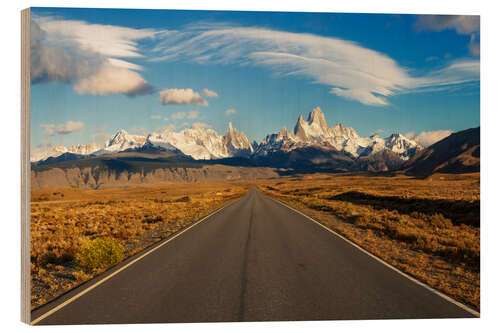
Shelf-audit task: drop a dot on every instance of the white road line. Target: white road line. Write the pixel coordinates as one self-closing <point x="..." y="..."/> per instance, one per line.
<point x="448" y="298"/>
<point x="83" y="292"/>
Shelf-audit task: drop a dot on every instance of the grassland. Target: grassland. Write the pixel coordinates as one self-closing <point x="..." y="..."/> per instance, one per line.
<point x="63" y="220"/>
<point x="428" y="228"/>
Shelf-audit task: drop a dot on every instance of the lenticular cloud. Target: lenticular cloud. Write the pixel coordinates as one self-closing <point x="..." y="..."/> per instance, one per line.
<point x="349" y="69"/>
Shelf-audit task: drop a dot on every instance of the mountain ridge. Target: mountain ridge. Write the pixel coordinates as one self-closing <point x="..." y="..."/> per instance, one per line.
<point x="201" y="142"/>
<point x="457" y="153"/>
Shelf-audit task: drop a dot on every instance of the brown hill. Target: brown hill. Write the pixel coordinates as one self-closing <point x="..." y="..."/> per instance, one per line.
<point x="457" y="153"/>
<point x="134" y="168"/>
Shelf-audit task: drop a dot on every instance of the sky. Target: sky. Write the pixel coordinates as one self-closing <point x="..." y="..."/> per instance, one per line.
<point x="95" y="71"/>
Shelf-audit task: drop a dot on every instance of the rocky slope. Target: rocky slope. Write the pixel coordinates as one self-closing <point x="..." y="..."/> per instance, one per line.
<point x="457" y="153"/>
<point x="137" y="167"/>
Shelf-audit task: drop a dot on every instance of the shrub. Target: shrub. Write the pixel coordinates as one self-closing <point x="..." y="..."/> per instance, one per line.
<point x="99" y="253"/>
<point x="150" y="220"/>
<point x="184" y="199"/>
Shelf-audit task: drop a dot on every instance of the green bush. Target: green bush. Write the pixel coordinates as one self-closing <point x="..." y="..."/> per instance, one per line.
<point x="99" y="253"/>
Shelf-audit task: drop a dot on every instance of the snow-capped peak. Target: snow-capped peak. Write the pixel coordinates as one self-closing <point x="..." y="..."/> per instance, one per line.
<point x="122" y="140"/>
<point x="316" y="131"/>
<point x="237" y="142"/>
<point x="402" y="146"/>
<point x="203" y="142"/>
<point x="317" y="118"/>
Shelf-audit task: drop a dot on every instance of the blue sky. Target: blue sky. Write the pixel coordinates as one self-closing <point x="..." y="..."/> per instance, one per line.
<point x="96" y="71"/>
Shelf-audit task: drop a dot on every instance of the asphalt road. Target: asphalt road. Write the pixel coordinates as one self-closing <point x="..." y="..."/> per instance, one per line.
<point x="254" y="260"/>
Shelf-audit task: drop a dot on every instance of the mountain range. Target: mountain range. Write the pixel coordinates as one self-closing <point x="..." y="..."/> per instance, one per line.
<point x="200" y="154"/>
<point x="311" y="142"/>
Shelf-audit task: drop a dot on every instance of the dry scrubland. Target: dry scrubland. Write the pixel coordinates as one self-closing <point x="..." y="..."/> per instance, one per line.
<point x="119" y="221"/>
<point x="428" y="228"/>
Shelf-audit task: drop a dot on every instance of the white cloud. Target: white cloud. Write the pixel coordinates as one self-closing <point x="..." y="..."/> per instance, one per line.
<point x="349" y="69"/>
<point x="410" y="135"/>
<point x="200" y="125"/>
<point x="166" y="118"/>
<point x="210" y="93"/>
<point x="474" y="45"/>
<point x="456" y="73"/>
<point x="178" y="115"/>
<point x="426" y="139"/>
<point x="113" y="80"/>
<point x="101" y="136"/>
<point x="180" y="96"/>
<point x="155" y="116"/>
<point x="124" y="64"/>
<point x="360" y="95"/>
<point x="87" y="56"/>
<point x="108" y="40"/>
<point x="230" y="112"/>
<point x="193" y="114"/>
<point x="63" y="129"/>
<point x="462" y="24"/>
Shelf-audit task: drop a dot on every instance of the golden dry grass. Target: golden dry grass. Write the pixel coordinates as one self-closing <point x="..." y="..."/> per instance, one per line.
<point x="62" y="220"/>
<point x="428" y="228"/>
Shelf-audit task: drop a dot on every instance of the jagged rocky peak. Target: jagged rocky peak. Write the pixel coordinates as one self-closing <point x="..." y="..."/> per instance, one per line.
<point x="299" y="130"/>
<point x="119" y="136"/>
<point x="343" y="138"/>
<point x="236" y="142"/>
<point x="283" y="133"/>
<point x="201" y="141"/>
<point x="123" y="140"/>
<point x="316" y="116"/>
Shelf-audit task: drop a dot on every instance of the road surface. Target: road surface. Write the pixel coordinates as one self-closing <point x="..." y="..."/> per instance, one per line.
<point x="254" y="260"/>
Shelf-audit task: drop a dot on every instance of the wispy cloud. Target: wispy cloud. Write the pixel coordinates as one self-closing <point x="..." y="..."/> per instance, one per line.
<point x="155" y="116"/>
<point x="62" y="129"/>
<point x="193" y="114"/>
<point x="180" y="96"/>
<point x="87" y="56"/>
<point x="456" y="73"/>
<point x="96" y="59"/>
<point x="349" y="69"/>
<point x="210" y="93"/>
<point x="230" y="112"/>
